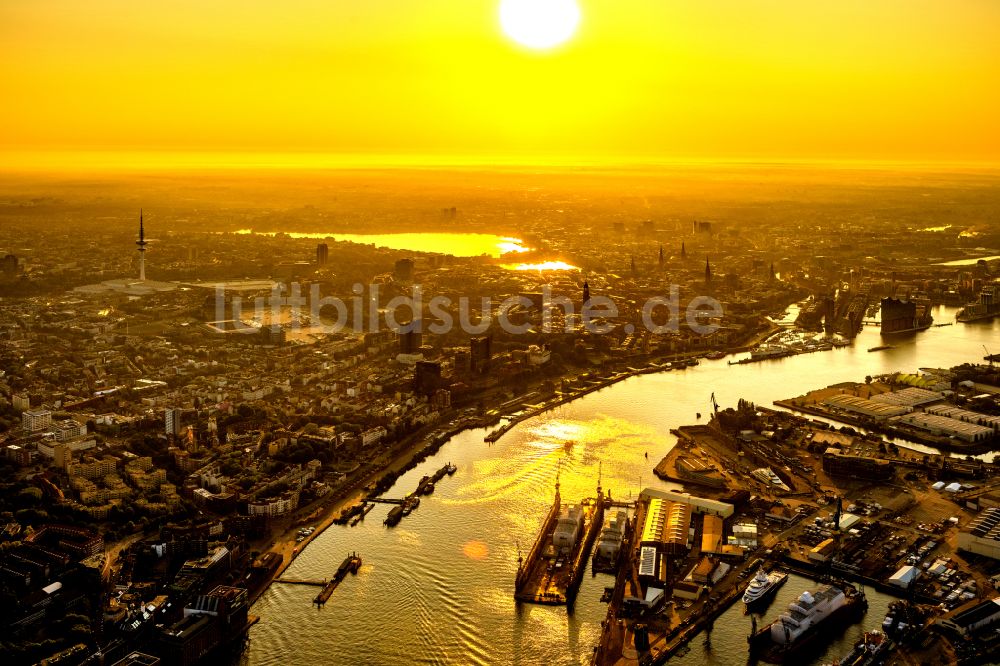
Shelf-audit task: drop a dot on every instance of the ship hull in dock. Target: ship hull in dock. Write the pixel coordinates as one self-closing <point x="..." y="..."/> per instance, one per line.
<point x="554" y="581"/>
<point x="810" y="643"/>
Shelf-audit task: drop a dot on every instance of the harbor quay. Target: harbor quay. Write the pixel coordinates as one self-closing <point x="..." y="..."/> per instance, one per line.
<point x="769" y="493"/>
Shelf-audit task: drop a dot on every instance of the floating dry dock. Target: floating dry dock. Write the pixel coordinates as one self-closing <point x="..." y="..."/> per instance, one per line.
<point x="552" y="571"/>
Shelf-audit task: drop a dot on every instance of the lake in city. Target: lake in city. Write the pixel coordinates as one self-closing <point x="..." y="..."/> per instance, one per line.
<point x="456" y="244"/>
<point x="438" y="588"/>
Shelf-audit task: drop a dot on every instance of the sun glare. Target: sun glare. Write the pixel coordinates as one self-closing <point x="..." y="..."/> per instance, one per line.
<point x="539" y="24"/>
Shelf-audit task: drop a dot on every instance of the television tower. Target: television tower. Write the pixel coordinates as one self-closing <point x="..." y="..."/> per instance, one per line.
<point x="142" y="249"/>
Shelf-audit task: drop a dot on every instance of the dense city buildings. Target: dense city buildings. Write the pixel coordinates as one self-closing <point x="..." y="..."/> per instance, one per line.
<point x="186" y="408"/>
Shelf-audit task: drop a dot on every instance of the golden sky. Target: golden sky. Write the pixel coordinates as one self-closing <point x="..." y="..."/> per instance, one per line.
<point x="438" y="79"/>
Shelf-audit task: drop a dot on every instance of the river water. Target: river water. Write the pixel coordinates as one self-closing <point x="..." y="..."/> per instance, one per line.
<point x="437" y="589"/>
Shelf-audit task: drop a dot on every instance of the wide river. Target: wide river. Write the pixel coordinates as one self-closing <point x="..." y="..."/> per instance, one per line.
<point x="437" y="589"/>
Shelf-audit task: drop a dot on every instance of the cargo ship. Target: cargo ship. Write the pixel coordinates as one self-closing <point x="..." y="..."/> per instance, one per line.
<point x="811" y="618"/>
<point x="762" y="589"/>
<point x="608" y="551"/>
<point x="552" y="571"/>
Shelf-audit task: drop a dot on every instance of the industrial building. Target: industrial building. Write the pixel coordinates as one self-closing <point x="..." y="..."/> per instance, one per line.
<point x="852" y="404"/>
<point x="909" y="397"/>
<point x="983" y="535"/>
<point x="837" y="463"/>
<point x="904" y="577"/>
<point x="943" y="426"/>
<point x="976" y="418"/>
<point x="976" y="618"/>
<point x="697" y="504"/>
<point x="667" y="526"/>
<point x="713" y="540"/>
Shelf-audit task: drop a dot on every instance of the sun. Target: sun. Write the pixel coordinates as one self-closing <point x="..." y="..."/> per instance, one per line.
<point x="539" y="24"/>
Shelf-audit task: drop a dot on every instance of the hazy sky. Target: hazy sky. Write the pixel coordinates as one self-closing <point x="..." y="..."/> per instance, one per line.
<point x="641" y="79"/>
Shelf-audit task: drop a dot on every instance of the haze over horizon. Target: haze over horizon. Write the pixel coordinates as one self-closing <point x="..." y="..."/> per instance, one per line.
<point x="400" y="82"/>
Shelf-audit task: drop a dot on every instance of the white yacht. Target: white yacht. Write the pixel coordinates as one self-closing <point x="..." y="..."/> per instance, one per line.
<point x="807" y="611"/>
<point x="763" y="586"/>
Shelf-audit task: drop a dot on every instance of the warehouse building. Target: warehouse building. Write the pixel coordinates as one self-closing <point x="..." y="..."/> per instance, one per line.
<point x="909" y="397"/>
<point x="837" y="463"/>
<point x="985" y="420"/>
<point x="698" y="504"/>
<point x="667" y="526"/>
<point x="852" y="404"/>
<point x="943" y="426"/>
<point x="983" y="535"/>
<point x="978" y="617"/>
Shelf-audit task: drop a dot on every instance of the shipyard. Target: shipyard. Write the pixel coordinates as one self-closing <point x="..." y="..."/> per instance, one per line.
<point x="837" y="506"/>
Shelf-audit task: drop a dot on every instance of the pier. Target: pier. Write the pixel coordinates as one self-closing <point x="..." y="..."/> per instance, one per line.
<point x="403" y="507"/>
<point x="351" y="564"/>
<point x="300" y="581"/>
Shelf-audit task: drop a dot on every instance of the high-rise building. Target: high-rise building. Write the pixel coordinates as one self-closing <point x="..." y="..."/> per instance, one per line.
<point x="427" y="377"/>
<point x="8" y="266"/>
<point x="21" y="401"/>
<point x="403" y="270"/>
<point x="480" y="352"/>
<point x="63" y="457"/>
<point x="410" y="338"/>
<point x="174" y="420"/>
<point x="34" y="420"/>
<point x="322" y="254"/>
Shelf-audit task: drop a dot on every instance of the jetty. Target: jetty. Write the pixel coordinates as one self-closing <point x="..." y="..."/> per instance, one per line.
<point x="351" y="564"/>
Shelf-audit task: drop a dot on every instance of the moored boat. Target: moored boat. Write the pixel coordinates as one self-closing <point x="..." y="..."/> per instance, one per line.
<point x="872" y="650"/>
<point x="811" y="618"/>
<point x="763" y="587"/>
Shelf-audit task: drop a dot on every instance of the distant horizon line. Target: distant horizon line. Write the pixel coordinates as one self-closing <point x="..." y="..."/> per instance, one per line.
<point x="12" y="161"/>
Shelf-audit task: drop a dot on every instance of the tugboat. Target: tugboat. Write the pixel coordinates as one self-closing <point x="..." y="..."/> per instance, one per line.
<point x="872" y="650"/>
<point x="451" y="469"/>
<point x="762" y="588"/>
<point x="409" y="504"/>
